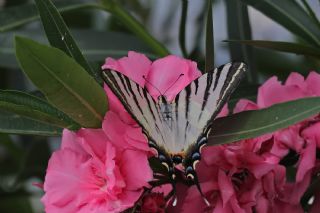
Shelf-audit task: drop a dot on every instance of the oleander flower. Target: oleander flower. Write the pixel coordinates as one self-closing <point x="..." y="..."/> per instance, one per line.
<point x="169" y="75"/>
<point x="89" y="174"/>
<point x="300" y="139"/>
<point x="95" y="170"/>
<point x="250" y="175"/>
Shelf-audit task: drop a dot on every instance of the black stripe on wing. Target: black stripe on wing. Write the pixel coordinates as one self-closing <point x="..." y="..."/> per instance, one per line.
<point x="138" y="102"/>
<point x="213" y="89"/>
<point x="234" y="75"/>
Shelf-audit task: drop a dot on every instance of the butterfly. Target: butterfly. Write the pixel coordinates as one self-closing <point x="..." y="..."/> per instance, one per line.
<point x="178" y="129"/>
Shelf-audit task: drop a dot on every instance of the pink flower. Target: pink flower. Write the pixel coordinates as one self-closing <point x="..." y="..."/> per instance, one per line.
<point x="89" y="174"/>
<point x="301" y="138"/>
<point x="95" y="169"/>
<point x="168" y="75"/>
<point x="234" y="180"/>
<point x="272" y="92"/>
<point x="249" y="174"/>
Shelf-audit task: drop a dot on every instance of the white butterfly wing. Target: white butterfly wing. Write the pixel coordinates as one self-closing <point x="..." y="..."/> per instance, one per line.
<point x="140" y="105"/>
<point x="199" y="103"/>
<point x="192" y="110"/>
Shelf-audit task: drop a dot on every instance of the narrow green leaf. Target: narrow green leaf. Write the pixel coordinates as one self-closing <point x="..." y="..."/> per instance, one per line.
<point x="250" y="124"/>
<point x="65" y="83"/>
<point x="209" y="61"/>
<point x="289" y="14"/>
<point x="311" y="12"/>
<point x="132" y="24"/>
<point x="282" y="46"/>
<point x="17" y="124"/>
<point x="95" y="45"/>
<point x="182" y="29"/>
<point x="239" y="28"/>
<point x="19" y="15"/>
<point x="59" y="35"/>
<point x="34" y="108"/>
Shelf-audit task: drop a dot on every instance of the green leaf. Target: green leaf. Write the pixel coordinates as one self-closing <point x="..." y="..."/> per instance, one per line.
<point x="132" y="24"/>
<point x="250" y="124"/>
<point x="17" y="124"/>
<point x="311" y="12"/>
<point x="17" y="16"/>
<point x="282" y="46"/>
<point x="59" y="35"/>
<point x="182" y="29"/>
<point x="95" y="45"/>
<point x="209" y="61"/>
<point x="35" y="108"/>
<point x="289" y="14"/>
<point x="239" y="28"/>
<point x="65" y="83"/>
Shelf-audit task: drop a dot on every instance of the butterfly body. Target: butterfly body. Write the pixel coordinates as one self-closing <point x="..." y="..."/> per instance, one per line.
<point x="178" y="129"/>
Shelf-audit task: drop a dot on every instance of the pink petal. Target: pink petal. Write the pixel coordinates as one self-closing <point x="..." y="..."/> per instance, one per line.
<point x="71" y="140"/>
<point x="293" y="192"/>
<point x="295" y="79"/>
<point x="313" y="83"/>
<point x="224" y="111"/>
<point x="312" y="133"/>
<point x="272" y="92"/>
<point x="165" y="76"/>
<point x="115" y="129"/>
<point x="262" y="205"/>
<point x="244" y="105"/>
<point x="226" y="188"/>
<point x="136" y="177"/>
<point x="135" y="66"/>
<point x="307" y="160"/>
<point x="93" y="142"/>
<point x="69" y="168"/>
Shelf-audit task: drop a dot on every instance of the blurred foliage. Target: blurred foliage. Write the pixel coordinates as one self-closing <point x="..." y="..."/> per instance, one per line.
<point x="106" y="29"/>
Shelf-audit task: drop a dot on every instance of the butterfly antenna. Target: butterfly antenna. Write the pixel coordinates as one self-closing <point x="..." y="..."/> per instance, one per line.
<point x="201" y="193"/>
<point x="144" y="77"/>
<point x="173" y="83"/>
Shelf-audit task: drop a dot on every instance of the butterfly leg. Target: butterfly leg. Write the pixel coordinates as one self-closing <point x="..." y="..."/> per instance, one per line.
<point x="166" y="161"/>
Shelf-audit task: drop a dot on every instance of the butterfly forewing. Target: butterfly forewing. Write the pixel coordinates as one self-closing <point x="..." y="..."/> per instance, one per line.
<point x="192" y="110"/>
<point x="139" y="103"/>
<point x="199" y="103"/>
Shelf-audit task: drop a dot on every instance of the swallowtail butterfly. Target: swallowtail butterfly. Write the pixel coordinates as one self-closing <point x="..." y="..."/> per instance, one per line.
<point x="178" y="130"/>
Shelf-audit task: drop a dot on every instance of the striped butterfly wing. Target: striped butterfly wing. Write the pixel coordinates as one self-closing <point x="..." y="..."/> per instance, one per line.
<point x="140" y="105"/>
<point x="197" y="105"/>
<point x="192" y="110"/>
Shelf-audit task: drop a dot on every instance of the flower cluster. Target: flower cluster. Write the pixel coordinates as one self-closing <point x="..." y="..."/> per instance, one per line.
<point x="107" y="170"/>
<point x="254" y="175"/>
